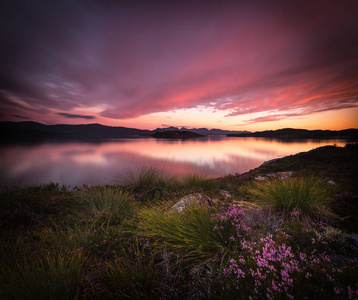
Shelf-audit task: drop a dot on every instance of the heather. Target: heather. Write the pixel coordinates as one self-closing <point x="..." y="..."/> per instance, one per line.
<point x="291" y="238"/>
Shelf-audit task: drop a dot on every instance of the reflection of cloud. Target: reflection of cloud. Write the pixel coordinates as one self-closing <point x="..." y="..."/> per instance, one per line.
<point x="74" y="116"/>
<point x="101" y="163"/>
<point x="90" y="159"/>
<point x="78" y="152"/>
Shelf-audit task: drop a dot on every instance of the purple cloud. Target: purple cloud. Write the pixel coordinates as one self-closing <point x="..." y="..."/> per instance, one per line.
<point x="128" y="60"/>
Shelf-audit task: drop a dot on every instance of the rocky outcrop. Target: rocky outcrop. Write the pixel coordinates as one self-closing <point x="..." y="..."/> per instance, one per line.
<point x="192" y="199"/>
<point x="200" y="199"/>
<point x="280" y="175"/>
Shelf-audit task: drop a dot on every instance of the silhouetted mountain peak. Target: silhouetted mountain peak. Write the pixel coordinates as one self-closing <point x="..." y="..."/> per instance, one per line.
<point x="202" y="130"/>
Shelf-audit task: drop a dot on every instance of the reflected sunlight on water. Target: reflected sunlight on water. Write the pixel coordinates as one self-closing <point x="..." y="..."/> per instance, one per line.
<point x="78" y="163"/>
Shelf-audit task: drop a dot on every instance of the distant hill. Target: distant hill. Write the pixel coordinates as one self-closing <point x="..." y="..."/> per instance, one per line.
<point x="202" y="131"/>
<point x="289" y="133"/>
<point x="176" y="134"/>
<point x="34" y="130"/>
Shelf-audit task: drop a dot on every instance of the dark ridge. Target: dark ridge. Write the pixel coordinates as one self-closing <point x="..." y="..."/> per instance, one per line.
<point x="289" y="133"/>
<point x="29" y="131"/>
<point x="202" y="131"/>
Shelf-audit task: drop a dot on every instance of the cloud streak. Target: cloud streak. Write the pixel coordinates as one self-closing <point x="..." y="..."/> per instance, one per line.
<point x="74" y="116"/>
<point x="126" y="61"/>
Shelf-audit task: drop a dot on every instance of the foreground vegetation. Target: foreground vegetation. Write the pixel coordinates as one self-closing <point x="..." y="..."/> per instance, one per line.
<point x="246" y="239"/>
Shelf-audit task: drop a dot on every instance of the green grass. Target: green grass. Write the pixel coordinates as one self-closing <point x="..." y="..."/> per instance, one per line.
<point x="190" y="231"/>
<point x="196" y="181"/>
<point x="35" y="204"/>
<point x="146" y="178"/>
<point x="55" y="276"/>
<point x="131" y="274"/>
<point x="306" y="195"/>
<point x="66" y="238"/>
<point x="110" y="201"/>
<point x="148" y="183"/>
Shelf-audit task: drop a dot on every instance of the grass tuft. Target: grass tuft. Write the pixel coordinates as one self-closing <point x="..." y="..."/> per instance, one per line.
<point x="190" y="231"/>
<point x="195" y="181"/>
<point x="148" y="183"/>
<point x="113" y="201"/>
<point x="306" y="197"/>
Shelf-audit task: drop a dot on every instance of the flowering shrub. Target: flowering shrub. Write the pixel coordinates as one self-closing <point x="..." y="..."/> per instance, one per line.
<point x="231" y="227"/>
<point x="270" y="268"/>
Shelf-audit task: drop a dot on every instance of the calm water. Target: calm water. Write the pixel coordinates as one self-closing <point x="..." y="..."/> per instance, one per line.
<point x="78" y="163"/>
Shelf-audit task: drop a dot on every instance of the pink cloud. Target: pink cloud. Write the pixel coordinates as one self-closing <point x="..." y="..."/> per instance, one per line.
<point x="238" y="57"/>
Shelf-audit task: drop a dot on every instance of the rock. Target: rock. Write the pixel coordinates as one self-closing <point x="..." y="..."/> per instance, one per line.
<point x="281" y="175"/>
<point x="353" y="240"/>
<point x="261" y="177"/>
<point x="192" y="199"/>
<point x="331" y="182"/>
<point x="244" y="204"/>
<point x="225" y="194"/>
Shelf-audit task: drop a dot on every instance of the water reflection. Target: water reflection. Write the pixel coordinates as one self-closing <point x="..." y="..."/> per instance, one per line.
<point x="78" y="163"/>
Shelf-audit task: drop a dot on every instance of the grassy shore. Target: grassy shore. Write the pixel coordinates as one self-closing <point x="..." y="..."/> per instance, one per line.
<point x="278" y="238"/>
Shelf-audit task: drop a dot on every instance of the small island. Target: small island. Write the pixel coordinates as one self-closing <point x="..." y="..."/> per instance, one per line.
<point x="176" y="134"/>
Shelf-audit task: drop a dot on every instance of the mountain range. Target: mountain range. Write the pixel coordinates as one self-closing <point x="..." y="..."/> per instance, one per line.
<point x="33" y="130"/>
<point x="202" y="131"/>
<point x="14" y="131"/>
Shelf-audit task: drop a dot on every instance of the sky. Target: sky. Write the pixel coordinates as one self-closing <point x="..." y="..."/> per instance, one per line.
<point x="235" y="65"/>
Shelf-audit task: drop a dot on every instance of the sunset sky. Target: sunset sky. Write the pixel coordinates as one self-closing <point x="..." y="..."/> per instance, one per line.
<point x="236" y="65"/>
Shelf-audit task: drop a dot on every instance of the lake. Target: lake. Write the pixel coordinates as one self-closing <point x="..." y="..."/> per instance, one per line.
<point x="103" y="162"/>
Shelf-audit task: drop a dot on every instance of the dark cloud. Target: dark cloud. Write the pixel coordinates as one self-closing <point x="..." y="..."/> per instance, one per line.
<point x="74" y="116"/>
<point x="20" y="117"/>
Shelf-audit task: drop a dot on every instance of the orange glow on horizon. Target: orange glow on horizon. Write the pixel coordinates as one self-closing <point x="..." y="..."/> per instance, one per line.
<point x="209" y="118"/>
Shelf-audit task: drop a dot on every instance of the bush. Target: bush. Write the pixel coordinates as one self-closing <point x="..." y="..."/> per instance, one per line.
<point x="306" y="196"/>
<point x="273" y="267"/>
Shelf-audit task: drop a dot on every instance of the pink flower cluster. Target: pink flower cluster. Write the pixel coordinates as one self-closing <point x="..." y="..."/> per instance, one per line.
<point x="270" y="267"/>
<point x="232" y="224"/>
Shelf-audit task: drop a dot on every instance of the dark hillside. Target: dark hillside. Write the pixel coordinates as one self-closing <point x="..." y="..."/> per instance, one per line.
<point x="338" y="163"/>
<point x="289" y="133"/>
<point x="11" y="131"/>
